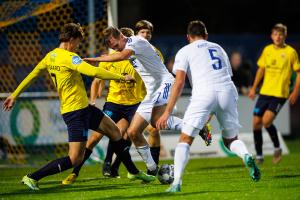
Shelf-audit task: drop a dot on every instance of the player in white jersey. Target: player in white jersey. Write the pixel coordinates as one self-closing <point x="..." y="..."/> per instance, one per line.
<point x="209" y="73"/>
<point x="158" y="82"/>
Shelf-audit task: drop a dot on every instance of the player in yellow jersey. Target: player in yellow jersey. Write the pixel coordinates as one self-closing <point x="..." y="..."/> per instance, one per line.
<point x="122" y="101"/>
<point x="65" y="68"/>
<point x="275" y="67"/>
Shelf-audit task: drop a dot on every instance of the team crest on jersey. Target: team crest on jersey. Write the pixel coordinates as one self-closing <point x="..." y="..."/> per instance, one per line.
<point x="52" y="57"/>
<point x="76" y="60"/>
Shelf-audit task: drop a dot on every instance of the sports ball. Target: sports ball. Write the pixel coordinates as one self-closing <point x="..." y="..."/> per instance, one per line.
<point x="166" y="174"/>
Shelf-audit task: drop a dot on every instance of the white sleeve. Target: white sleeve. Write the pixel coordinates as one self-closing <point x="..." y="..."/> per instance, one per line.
<point x="181" y="61"/>
<point x="227" y="62"/>
<point x="133" y="43"/>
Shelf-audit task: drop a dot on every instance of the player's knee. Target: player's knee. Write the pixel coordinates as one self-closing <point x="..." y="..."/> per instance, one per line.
<point x="76" y="159"/>
<point x="266" y="123"/>
<point x="257" y="124"/>
<point x="228" y="141"/>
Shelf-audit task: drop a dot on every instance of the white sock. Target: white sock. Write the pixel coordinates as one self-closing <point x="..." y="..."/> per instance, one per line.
<point x="239" y="148"/>
<point x="181" y="158"/>
<point x="145" y="153"/>
<point x="174" y="123"/>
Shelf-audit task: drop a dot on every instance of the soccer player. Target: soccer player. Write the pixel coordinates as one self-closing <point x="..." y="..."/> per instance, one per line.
<point x="275" y="67"/>
<point x="65" y="68"/>
<point x="144" y="29"/>
<point x="207" y="66"/>
<point x="158" y="82"/>
<point x="122" y="101"/>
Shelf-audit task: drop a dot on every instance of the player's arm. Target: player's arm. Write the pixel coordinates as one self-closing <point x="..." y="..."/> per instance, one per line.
<point x="294" y="94"/>
<point x="30" y="78"/>
<point x="98" y="72"/>
<point x="96" y="89"/>
<point x="175" y="94"/>
<point x="119" y="56"/>
<point x="258" y="77"/>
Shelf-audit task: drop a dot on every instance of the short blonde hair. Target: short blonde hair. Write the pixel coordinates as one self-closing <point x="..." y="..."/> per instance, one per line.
<point x="281" y="28"/>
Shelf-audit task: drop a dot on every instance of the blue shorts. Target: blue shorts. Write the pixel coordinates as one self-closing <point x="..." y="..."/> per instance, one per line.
<point x="117" y="111"/>
<point x="264" y="103"/>
<point x="79" y="121"/>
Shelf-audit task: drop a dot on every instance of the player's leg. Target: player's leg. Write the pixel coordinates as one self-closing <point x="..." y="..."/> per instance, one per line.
<point x="91" y="143"/>
<point x="195" y="117"/>
<point x="109" y="128"/>
<point x="181" y="158"/>
<point x="257" y="123"/>
<point x="112" y="110"/>
<point x="154" y="142"/>
<point x="76" y="122"/>
<point x="76" y="152"/>
<point x="227" y="115"/>
<point x="122" y="125"/>
<point x="135" y="132"/>
<point x="258" y="138"/>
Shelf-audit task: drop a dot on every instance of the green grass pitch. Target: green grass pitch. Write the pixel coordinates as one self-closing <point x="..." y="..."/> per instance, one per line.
<point x="204" y="178"/>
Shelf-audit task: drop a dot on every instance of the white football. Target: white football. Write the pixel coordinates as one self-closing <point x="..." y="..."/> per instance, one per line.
<point x="166" y="174"/>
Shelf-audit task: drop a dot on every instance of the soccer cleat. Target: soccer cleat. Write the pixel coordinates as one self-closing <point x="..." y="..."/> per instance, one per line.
<point x="153" y="172"/>
<point x="106" y="171"/>
<point x="141" y="176"/>
<point x="31" y="183"/>
<point x="114" y="173"/>
<point x="205" y="134"/>
<point x="277" y="156"/>
<point x="70" y="179"/>
<point x="254" y="171"/>
<point x="174" y="188"/>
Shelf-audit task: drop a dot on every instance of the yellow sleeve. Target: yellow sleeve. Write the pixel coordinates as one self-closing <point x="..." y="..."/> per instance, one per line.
<point x="98" y="72"/>
<point x="160" y="54"/>
<point x="261" y="61"/>
<point x="34" y="74"/>
<point x="295" y="61"/>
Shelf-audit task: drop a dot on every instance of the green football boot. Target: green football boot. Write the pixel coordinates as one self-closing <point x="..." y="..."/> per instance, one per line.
<point x="31" y="183"/>
<point x="141" y="176"/>
<point x="174" y="188"/>
<point x="254" y="171"/>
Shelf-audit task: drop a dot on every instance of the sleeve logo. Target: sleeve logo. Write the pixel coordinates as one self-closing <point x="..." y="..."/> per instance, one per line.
<point x="76" y="60"/>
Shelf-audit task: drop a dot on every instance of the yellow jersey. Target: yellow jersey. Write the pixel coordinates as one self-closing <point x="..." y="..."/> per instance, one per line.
<point x="65" y="67"/>
<point x="279" y="63"/>
<point x="122" y="92"/>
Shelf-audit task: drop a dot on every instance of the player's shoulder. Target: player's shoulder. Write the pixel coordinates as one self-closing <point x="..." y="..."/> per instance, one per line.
<point x="268" y="47"/>
<point x="290" y="48"/>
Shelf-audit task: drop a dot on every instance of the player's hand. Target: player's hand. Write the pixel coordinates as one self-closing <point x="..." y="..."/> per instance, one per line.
<point x="251" y="94"/>
<point x="8" y="103"/>
<point x="128" y="77"/>
<point x="162" y="121"/>
<point x="293" y="97"/>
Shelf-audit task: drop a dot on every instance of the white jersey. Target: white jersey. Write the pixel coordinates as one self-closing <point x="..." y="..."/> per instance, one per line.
<point x="206" y="64"/>
<point x="209" y="71"/>
<point x="152" y="70"/>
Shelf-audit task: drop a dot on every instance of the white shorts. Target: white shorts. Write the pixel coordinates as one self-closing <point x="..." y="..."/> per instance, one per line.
<point x="153" y="99"/>
<point x="221" y="103"/>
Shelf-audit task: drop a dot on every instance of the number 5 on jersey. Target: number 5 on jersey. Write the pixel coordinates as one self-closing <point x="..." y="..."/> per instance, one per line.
<point x="212" y="53"/>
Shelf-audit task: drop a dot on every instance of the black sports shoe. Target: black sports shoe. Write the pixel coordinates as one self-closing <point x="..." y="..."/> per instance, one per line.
<point x="153" y="172"/>
<point x="106" y="169"/>
<point x="114" y="173"/>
